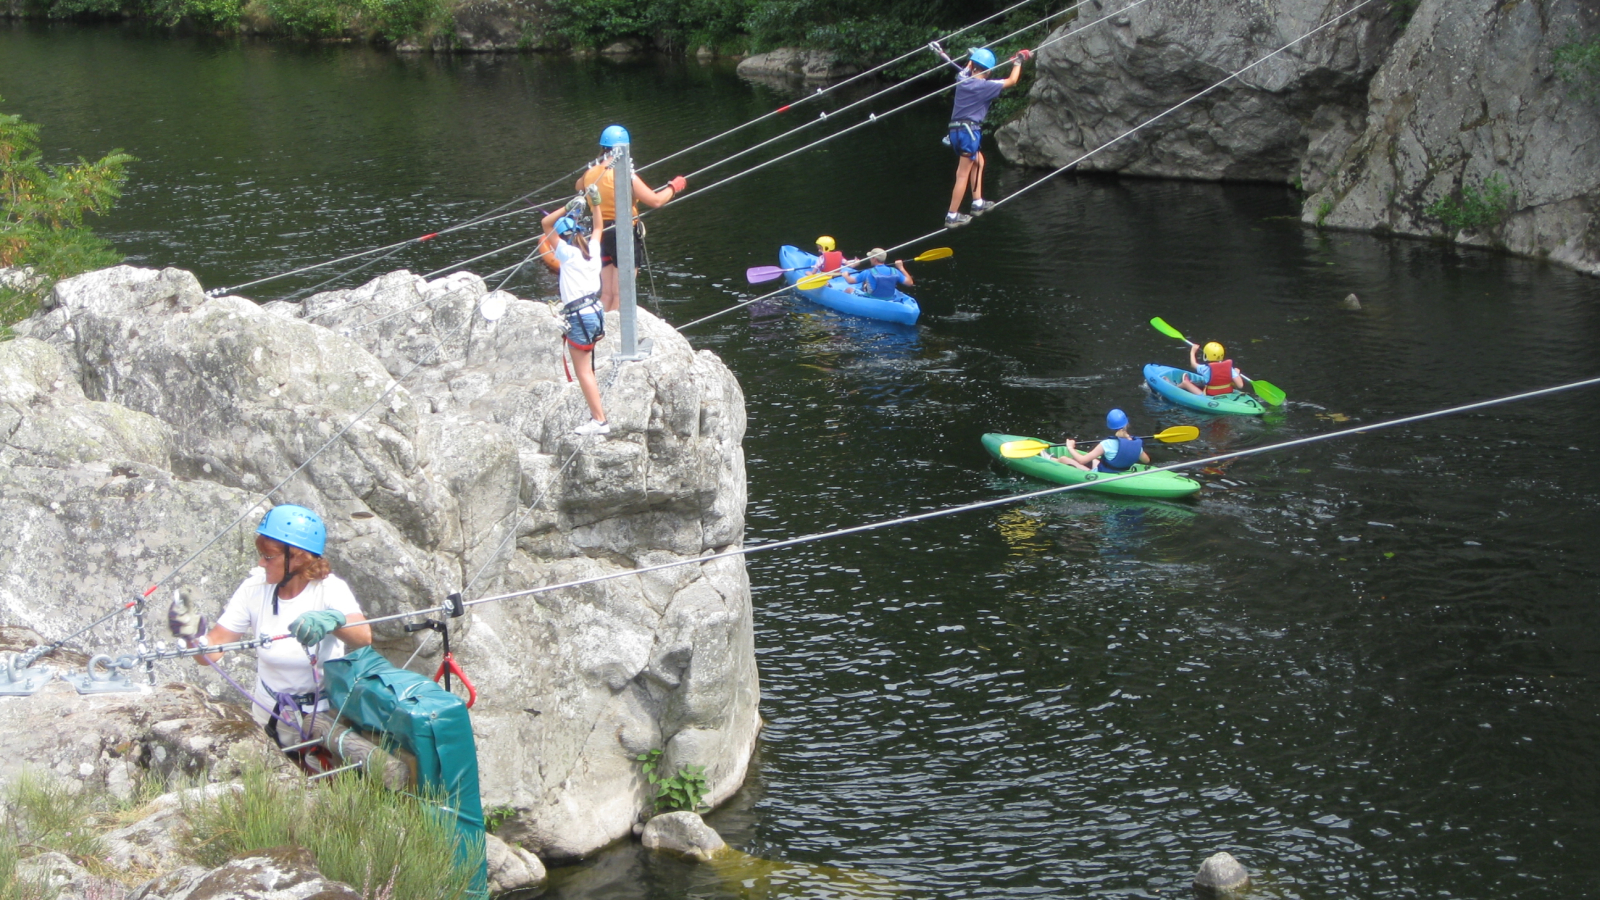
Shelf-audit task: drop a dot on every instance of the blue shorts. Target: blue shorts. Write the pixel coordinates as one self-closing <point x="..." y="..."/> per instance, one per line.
<point x="966" y="140"/>
<point x="584" y="329"/>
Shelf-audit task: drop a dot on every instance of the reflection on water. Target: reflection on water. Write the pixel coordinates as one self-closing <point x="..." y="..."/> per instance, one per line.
<point x="1368" y="664"/>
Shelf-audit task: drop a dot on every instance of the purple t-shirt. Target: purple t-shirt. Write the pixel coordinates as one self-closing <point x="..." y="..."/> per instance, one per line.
<point x="973" y="96"/>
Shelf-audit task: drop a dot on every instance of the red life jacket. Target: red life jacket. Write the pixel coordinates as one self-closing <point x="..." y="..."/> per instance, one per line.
<point x="831" y="260"/>
<point x="1221" y="378"/>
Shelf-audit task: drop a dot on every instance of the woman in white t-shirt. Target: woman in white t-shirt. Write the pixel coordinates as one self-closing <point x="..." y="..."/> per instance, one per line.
<point x="579" y="255"/>
<point x="291" y="592"/>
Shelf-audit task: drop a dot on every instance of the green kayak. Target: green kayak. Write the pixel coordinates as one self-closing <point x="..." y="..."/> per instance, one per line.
<point x="1166" y="485"/>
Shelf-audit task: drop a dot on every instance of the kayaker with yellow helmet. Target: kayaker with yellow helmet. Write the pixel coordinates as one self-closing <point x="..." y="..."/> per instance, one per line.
<point x="600" y="182"/>
<point x="975" y="92"/>
<point x="1117" y="453"/>
<point x="1216" y="376"/>
<point x="831" y="258"/>
<point x="291" y="591"/>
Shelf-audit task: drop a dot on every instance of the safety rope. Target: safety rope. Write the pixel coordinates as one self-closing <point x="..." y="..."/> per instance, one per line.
<point x="999" y="501"/>
<point x="480" y="219"/>
<point x="823" y="91"/>
<point x="823" y="117"/>
<point x="871" y="119"/>
<point x="1034" y="184"/>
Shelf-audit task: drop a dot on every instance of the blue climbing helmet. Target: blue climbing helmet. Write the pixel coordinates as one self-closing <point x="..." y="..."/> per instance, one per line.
<point x="565" y="226"/>
<point x="1116" y="420"/>
<point x="295" y="526"/>
<point x="616" y="134"/>
<point x="983" y="56"/>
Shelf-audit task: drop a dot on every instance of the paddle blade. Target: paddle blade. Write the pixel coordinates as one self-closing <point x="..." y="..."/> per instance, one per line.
<point x="935" y="253"/>
<point x="758" y="274"/>
<point x="812" y="282"/>
<point x="1158" y="324"/>
<point x="1269" y="392"/>
<point x="1022" y="449"/>
<point x="1178" y="434"/>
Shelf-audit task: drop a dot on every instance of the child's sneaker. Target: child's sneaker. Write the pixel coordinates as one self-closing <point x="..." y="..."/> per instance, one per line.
<point x="979" y="207"/>
<point x="955" y="220"/>
<point x="593" y="427"/>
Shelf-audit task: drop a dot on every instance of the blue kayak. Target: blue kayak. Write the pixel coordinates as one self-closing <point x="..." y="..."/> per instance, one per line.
<point x="1166" y="381"/>
<point x="841" y="295"/>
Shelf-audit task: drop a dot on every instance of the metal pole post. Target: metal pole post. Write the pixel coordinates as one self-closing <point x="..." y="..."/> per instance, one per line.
<point x="622" y="190"/>
<point x="627" y="287"/>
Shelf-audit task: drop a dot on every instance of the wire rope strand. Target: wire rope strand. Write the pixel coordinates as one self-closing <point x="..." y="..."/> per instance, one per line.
<point x="1031" y="495"/>
<point x="833" y="87"/>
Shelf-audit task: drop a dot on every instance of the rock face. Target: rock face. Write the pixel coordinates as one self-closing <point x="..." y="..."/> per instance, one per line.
<point x="139" y="418"/>
<point x="285" y="873"/>
<point x="1377" y="122"/>
<point x="792" y="63"/>
<point x="683" y="834"/>
<point x="1469" y="94"/>
<point x="1095" y="85"/>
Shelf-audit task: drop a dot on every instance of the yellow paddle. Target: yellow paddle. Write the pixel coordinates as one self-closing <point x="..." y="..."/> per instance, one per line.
<point x="1177" y="434"/>
<point x="821" y="279"/>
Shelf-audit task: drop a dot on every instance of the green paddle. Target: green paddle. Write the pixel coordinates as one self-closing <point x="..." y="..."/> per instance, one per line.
<point x="821" y="279"/>
<point x="1177" y="434"/>
<point x="1265" y="390"/>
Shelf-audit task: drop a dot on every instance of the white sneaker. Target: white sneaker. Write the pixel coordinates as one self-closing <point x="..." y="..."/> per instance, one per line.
<point x="593" y="427"/>
<point x="979" y="207"/>
<point x="956" y="220"/>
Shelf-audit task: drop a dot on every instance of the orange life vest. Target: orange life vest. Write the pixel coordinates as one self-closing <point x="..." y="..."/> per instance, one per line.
<point x="603" y="174"/>
<point x="831" y="260"/>
<point x="1221" y="378"/>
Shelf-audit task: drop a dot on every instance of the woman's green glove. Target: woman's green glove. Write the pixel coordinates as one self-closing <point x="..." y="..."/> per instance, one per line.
<point x="310" y="628"/>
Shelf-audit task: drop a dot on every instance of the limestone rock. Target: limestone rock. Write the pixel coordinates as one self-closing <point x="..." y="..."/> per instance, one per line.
<point x="284" y="873"/>
<point x="1221" y="874"/>
<point x="511" y="868"/>
<point x="1094" y="85"/>
<point x="1469" y="94"/>
<point x="466" y="475"/>
<point x="487" y="26"/>
<point x="71" y="881"/>
<point x="682" y="833"/>
<point x="1350" y="301"/>
<point x="152" y="843"/>
<point x="98" y="740"/>
<point x="794" y="63"/>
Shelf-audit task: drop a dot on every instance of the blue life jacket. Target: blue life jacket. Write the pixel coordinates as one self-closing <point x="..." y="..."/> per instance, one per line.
<point x="885" y="279"/>
<point x="1128" y="450"/>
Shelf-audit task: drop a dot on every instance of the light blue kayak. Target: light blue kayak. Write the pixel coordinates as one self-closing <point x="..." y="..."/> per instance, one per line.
<point x="841" y="295"/>
<point x="1167" y="381"/>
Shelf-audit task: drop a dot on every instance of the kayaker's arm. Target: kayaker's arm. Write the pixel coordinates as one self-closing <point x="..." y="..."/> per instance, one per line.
<point x="1194" y="357"/>
<point x="902" y="267"/>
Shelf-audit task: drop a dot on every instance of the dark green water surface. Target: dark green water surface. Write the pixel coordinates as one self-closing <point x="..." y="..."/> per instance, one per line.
<point x="1366" y="668"/>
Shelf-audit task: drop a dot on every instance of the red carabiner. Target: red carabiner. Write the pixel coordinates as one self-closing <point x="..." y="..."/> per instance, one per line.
<point x="448" y="665"/>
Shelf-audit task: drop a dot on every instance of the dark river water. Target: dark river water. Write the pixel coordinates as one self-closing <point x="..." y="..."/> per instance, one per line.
<point x="1367" y="668"/>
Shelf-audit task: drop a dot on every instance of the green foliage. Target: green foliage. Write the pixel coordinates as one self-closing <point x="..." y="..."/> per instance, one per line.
<point x="309" y="18"/>
<point x="42" y="212"/>
<point x="1403" y="10"/>
<point x="495" y="816"/>
<point x="856" y="30"/>
<point x="11" y="886"/>
<point x="1479" y="207"/>
<point x="43" y="815"/>
<point x="684" y="789"/>
<point x="1323" y="209"/>
<point x="1578" y="64"/>
<point x="383" y="842"/>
